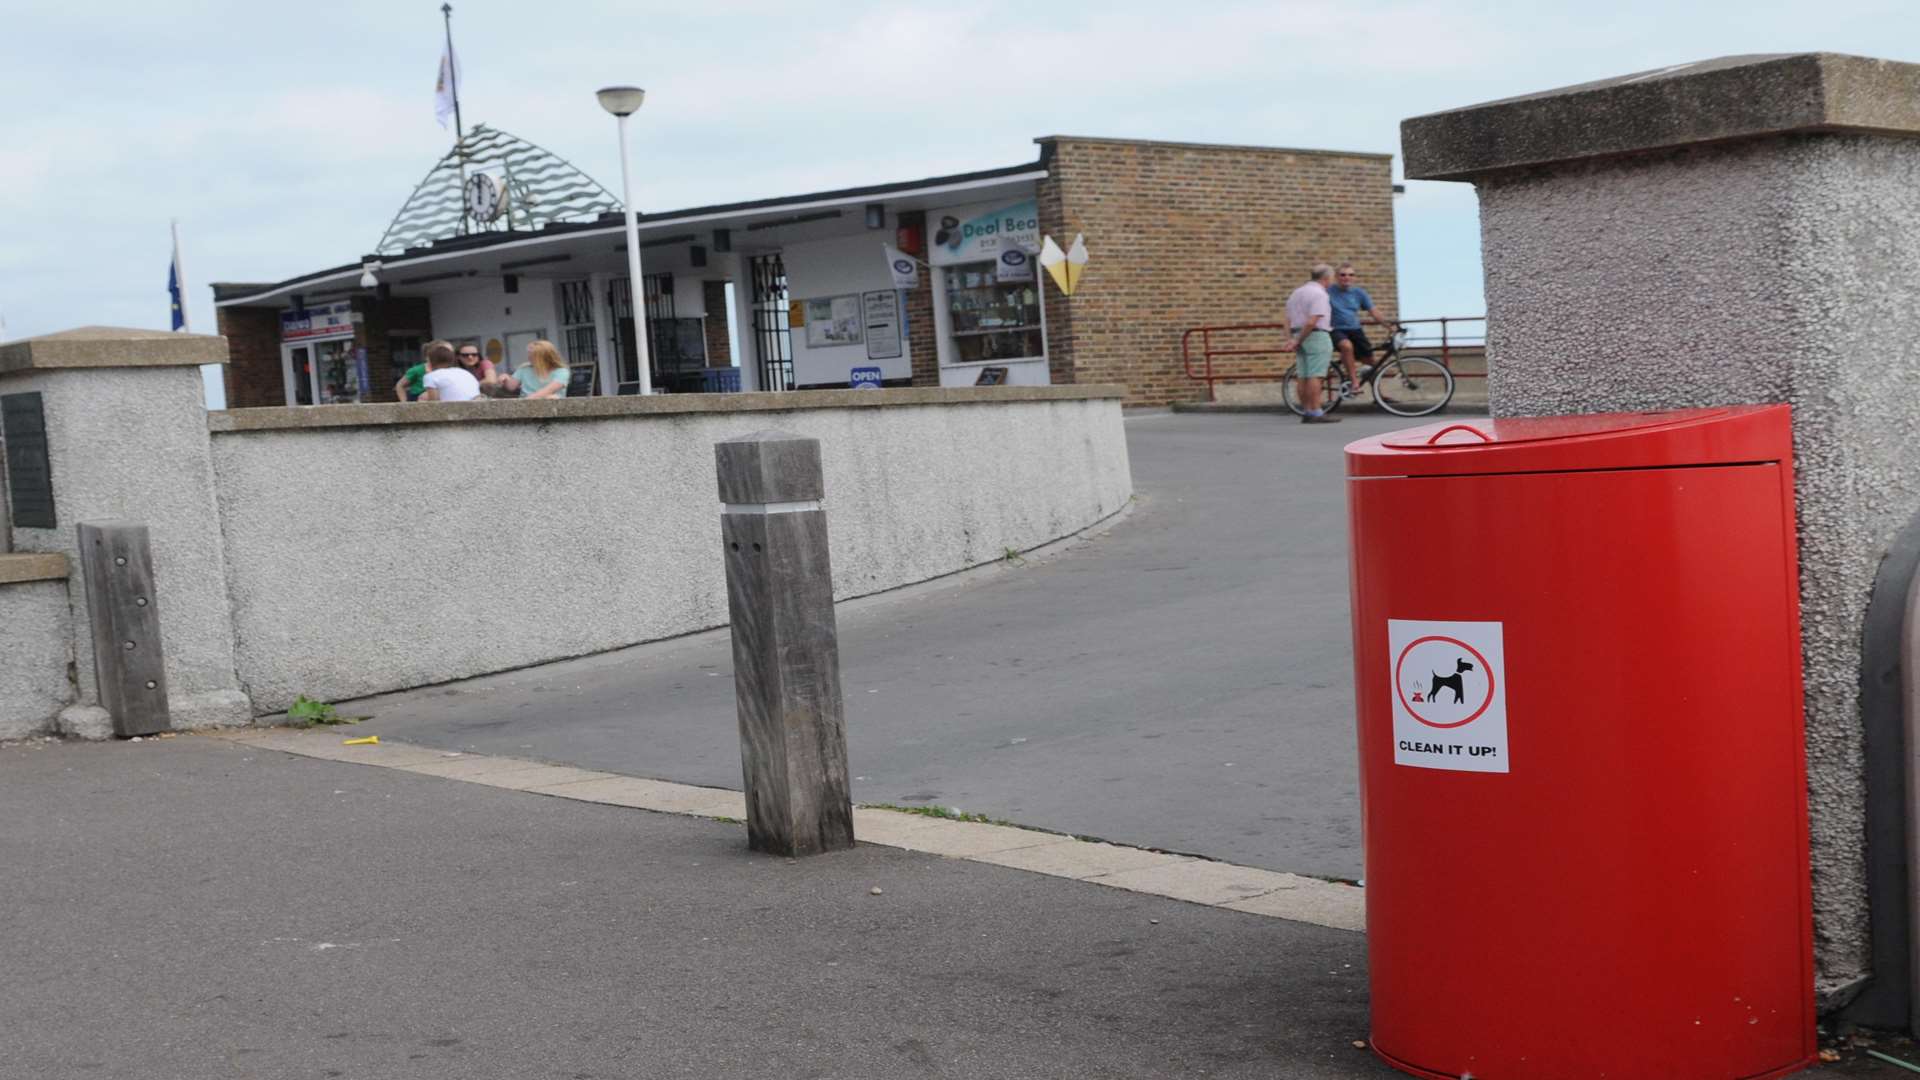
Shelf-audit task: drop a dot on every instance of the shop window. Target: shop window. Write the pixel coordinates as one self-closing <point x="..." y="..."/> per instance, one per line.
<point x="338" y="371"/>
<point x="992" y="319"/>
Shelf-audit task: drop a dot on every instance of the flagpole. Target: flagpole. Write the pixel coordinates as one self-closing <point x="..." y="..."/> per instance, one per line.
<point x="459" y="129"/>
<point x="180" y="275"/>
<point x="453" y="75"/>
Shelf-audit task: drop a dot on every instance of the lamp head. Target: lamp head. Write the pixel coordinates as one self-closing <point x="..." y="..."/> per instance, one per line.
<point x="367" y="280"/>
<point x="621" y="100"/>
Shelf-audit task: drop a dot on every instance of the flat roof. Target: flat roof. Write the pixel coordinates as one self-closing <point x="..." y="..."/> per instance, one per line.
<point x="228" y="294"/>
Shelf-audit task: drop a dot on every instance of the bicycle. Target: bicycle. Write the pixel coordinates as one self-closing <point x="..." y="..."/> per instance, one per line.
<point x="1402" y="385"/>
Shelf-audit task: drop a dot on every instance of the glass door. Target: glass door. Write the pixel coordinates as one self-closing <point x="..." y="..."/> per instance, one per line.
<point x="296" y="364"/>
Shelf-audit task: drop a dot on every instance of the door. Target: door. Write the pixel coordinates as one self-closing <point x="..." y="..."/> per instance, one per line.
<point x="516" y="354"/>
<point x="296" y="369"/>
<point x="771" y="340"/>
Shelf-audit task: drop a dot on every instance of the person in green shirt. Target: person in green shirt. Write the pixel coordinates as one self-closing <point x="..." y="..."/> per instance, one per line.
<point x="544" y="376"/>
<point x="412" y="384"/>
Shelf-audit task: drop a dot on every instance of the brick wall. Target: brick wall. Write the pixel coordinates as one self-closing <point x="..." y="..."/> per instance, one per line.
<point x="719" y="345"/>
<point x="1183" y="236"/>
<point x="922" y="351"/>
<point x="378" y="319"/>
<point x="254" y="378"/>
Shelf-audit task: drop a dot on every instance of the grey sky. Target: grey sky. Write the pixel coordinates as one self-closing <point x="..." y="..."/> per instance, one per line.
<point x="285" y="136"/>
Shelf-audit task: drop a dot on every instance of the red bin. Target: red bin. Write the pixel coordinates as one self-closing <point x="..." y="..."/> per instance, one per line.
<point x="1583" y="775"/>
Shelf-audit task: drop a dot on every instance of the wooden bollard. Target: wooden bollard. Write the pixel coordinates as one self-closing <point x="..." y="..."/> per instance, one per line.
<point x="786" y="653"/>
<point x="128" y="664"/>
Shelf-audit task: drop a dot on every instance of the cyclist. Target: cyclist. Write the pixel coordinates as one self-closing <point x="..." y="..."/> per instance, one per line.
<point x="1348" y="300"/>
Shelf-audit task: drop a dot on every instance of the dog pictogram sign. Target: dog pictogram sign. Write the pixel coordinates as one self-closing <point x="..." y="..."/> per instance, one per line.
<point x="1449" y="695"/>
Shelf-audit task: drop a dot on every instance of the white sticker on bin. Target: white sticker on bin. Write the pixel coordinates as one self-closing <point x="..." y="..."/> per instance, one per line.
<point x="1449" y="695"/>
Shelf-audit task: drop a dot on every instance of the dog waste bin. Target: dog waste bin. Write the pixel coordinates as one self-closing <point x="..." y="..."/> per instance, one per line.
<point x="1577" y="667"/>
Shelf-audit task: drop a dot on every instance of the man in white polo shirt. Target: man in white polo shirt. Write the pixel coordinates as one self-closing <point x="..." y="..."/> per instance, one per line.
<point x="1309" y="318"/>
<point x="446" y="380"/>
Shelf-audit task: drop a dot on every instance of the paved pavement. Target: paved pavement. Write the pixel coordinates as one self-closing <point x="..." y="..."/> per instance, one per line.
<point x="188" y="908"/>
<point x="1181" y="681"/>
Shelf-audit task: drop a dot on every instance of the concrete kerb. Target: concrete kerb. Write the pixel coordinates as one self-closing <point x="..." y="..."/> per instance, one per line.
<point x="1245" y="889"/>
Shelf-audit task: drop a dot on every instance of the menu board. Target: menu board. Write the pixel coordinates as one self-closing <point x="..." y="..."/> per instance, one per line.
<point x="881" y="312"/>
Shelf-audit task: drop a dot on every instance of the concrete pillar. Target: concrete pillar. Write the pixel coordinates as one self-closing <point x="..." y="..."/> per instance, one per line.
<point x="786" y="653"/>
<point x="1737" y="230"/>
<point x="127" y="439"/>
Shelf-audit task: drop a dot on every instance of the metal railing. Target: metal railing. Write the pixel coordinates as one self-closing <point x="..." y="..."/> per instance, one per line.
<point x="1202" y="345"/>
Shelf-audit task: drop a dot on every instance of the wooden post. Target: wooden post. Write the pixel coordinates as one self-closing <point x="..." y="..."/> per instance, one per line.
<point x="786" y="653"/>
<point x="117" y="562"/>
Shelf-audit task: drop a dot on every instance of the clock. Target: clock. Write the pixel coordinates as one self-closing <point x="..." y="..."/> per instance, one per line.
<point x="484" y="197"/>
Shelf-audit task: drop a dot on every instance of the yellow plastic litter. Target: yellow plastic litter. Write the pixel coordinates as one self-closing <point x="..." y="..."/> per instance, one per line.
<point x="371" y="740"/>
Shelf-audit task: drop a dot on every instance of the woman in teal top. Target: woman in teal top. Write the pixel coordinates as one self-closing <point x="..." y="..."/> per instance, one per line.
<point x="544" y="376"/>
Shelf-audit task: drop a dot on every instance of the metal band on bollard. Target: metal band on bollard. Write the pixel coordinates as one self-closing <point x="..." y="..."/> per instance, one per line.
<point x="786" y="653"/>
<point x="117" y="561"/>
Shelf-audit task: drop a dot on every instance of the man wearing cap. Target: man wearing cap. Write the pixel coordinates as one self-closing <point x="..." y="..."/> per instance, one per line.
<point x="1309" y="316"/>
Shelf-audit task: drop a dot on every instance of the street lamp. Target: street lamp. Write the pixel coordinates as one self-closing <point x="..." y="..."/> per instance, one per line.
<point x="622" y="102"/>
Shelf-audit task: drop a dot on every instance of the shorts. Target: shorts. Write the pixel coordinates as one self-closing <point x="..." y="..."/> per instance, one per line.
<point x="1362" y="348"/>
<point x="1315" y="355"/>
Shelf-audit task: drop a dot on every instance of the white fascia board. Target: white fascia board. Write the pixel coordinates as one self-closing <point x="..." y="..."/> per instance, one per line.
<point x="668" y="222"/>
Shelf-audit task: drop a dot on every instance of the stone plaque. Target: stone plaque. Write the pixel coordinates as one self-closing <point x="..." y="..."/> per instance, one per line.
<point x="29" y="473"/>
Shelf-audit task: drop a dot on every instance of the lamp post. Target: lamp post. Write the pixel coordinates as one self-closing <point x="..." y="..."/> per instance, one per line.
<point x="622" y="102"/>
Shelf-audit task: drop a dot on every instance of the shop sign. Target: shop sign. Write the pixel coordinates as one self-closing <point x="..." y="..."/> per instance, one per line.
<point x="985" y="231"/>
<point x="318" y="321"/>
<point x="1014" y="265"/>
<point x="865" y="378"/>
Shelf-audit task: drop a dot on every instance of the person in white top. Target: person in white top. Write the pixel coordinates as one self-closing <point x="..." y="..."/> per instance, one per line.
<point x="446" y="380"/>
<point x="1309" y="315"/>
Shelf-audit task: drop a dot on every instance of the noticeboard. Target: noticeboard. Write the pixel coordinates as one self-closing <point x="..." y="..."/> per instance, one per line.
<point x="23" y="424"/>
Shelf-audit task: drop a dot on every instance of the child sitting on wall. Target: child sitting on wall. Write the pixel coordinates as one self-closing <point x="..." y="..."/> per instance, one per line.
<point x="446" y="380"/>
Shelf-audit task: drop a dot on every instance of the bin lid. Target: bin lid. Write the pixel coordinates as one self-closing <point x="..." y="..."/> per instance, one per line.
<point x="1471" y="445"/>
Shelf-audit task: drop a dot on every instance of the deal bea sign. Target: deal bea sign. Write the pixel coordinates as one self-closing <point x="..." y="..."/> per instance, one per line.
<point x="985" y="232"/>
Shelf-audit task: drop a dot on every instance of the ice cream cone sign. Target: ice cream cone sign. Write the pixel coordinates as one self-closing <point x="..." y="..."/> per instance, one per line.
<point x="1065" y="267"/>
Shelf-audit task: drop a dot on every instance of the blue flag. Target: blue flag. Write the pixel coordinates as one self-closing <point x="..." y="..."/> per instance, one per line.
<point x="173" y="291"/>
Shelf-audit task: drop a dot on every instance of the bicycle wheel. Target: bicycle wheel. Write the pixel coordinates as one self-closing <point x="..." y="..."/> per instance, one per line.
<point x="1329" y="393"/>
<point x="1413" y="386"/>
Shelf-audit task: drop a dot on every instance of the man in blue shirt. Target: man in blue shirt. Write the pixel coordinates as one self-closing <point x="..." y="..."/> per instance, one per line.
<point x="1348" y="301"/>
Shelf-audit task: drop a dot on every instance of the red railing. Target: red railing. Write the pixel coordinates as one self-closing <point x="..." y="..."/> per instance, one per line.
<point x="1234" y="340"/>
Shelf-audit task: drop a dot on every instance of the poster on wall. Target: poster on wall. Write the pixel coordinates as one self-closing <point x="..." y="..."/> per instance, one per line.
<point x="984" y="231"/>
<point x="833" y="320"/>
<point x="881" y="311"/>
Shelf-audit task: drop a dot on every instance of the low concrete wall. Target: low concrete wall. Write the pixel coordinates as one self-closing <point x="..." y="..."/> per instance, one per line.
<point x="375" y="547"/>
<point x="36" y="635"/>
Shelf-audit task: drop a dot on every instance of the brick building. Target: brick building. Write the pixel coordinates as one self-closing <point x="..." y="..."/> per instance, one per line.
<point x="797" y="292"/>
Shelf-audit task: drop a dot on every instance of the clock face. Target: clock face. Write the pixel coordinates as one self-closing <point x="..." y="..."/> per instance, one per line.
<point x="483" y="197"/>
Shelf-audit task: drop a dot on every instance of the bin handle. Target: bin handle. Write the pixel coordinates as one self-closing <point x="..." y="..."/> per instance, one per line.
<point x="1443" y="432"/>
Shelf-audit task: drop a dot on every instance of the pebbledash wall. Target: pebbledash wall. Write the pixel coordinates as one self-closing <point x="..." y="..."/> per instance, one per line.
<point x="1785" y="193"/>
<point x="599" y="526"/>
<point x="444" y="541"/>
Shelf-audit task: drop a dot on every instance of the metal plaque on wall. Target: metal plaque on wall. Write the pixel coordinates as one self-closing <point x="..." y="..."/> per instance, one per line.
<point x="23" y="425"/>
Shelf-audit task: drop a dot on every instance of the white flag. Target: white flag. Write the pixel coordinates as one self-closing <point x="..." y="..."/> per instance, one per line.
<point x="446" y="90"/>
<point x="905" y="271"/>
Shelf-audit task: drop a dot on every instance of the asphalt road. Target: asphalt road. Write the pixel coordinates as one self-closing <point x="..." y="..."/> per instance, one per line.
<point x="185" y="908"/>
<point x="1181" y="681"/>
